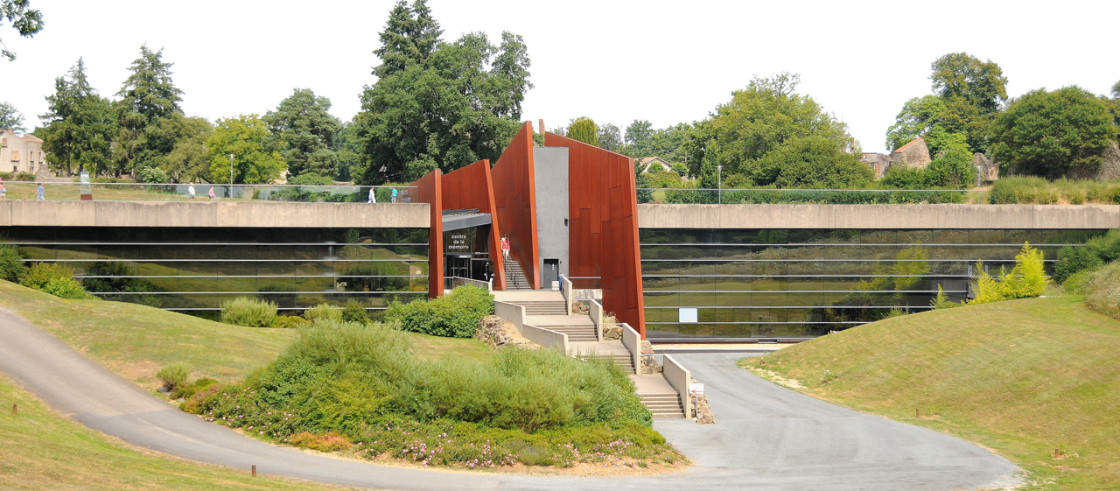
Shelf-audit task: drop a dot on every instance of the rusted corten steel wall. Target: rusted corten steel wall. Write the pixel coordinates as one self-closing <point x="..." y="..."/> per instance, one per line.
<point x="603" y="229"/>
<point x="429" y="190"/>
<point x="515" y="196"/>
<point x="472" y="187"/>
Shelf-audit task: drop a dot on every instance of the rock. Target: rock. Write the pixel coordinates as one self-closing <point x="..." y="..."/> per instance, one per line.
<point x="580" y="308"/>
<point x="612" y="332"/>
<point x="650" y="365"/>
<point x="701" y="412"/>
<point x="497" y="332"/>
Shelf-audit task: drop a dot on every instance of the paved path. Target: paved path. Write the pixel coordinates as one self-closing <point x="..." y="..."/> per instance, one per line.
<point x="767" y="436"/>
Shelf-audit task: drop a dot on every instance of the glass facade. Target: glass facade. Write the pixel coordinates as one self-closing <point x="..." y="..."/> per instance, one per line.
<point x="802" y="283"/>
<point x="196" y="269"/>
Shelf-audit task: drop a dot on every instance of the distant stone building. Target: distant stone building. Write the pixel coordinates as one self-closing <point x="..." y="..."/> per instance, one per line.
<point x="879" y="162"/>
<point x="914" y="155"/>
<point x="644" y="163"/>
<point x="986" y="169"/>
<point x="21" y="153"/>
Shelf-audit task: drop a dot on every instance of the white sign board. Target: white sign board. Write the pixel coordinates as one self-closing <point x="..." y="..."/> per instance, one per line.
<point x="687" y="314"/>
<point x="696" y="389"/>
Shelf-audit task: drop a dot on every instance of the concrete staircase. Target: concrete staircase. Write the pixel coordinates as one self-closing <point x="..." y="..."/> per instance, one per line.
<point x="625" y="362"/>
<point x="663" y="405"/>
<point x="515" y="277"/>
<point x="543" y="307"/>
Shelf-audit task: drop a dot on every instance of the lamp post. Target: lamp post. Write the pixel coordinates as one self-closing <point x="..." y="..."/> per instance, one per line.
<point x="231" y="176"/>
<point x="719" y="184"/>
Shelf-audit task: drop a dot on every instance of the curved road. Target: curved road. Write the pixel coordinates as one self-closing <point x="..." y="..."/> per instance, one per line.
<point x="767" y="437"/>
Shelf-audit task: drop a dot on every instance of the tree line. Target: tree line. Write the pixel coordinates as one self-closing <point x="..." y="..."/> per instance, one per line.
<point x="439" y="104"/>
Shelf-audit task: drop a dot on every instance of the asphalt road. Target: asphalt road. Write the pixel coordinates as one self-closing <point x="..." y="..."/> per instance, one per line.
<point x="766" y="437"/>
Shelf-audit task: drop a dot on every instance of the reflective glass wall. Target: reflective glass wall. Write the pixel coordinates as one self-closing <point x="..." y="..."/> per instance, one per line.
<point x="804" y="283"/>
<point x="194" y="270"/>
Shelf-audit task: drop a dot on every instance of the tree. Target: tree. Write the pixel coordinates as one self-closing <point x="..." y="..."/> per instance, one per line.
<point x="962" y="76"/>
<point x="410" y="36"/>
<point x="79" y="125"/>
<point x="1053" y="134"/>
<point x="770" y="117"/>
<point x="967" y="95"/>
<point x="952" y="167"/>
<point x="639" y="135"/>
<point x="918" y="117"/>
<point x="10" y="118"/>
<point x="610" y="137"/>
<point x="585" y="130"/>
<point x="244" y="137"/>
<point x="189" y="160"/>
<point x="305" y="131"/>
<point x="810" y="162"/>
<point x="149" y="99"/>
<point x="443" y="110"/>
<point x="25" y="20"/>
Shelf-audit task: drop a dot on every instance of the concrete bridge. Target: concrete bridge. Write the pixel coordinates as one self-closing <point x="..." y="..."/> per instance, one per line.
<point x="270" y="214"/>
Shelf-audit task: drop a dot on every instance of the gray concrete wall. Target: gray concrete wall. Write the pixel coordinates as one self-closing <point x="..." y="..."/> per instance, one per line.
<point x="550" y="168"/>
<point x="879" y="216"/>
<point x="253" y="214"/>
<point x="679" y="377"/>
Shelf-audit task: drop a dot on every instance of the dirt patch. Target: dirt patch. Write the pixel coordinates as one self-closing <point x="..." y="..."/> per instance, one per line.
<point x="774" y="377"/>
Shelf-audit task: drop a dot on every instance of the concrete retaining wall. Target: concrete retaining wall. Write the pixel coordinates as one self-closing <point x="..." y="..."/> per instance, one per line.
<point x="633" y="343"/>
<point x="250" y="214"/>
<point x="679" y="377"/>
<point x="947" y="216"/>
<point x="595" y="310"/>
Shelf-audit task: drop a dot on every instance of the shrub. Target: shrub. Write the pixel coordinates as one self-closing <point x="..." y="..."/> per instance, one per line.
<point x="322" y="312"/>
<point x="455" y="315"/>
<point x="355" y="312"/>
<point x="251" y="312"/>
<point x="941" y="301"/>
<point x="11" y="264"/>
<point x="1077" y="282"/>
<point x="1102" y="290"/>
<point x="55" y="279"/>
<point x="174" y="375"/>
<point x="186" y="391"/>
<point x="1073" y="259"/>
<point x="1026" y="279"/>
<point x="288" y="322"/>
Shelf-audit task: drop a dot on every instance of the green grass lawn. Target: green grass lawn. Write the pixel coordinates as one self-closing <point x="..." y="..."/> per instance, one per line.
<point x="1036" y="380"/>
<point x="136" y="341"/>
<point x="40" y="449"/>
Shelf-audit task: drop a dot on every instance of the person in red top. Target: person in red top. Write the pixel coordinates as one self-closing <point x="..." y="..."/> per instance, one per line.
<point x="505" y="247"/>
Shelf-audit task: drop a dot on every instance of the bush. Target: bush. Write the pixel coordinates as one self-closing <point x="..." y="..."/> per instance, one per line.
<point x="1027" y="279"/>
<point x="355" y="312"/>
<point x="55" y="279"/>
<point x="251" y="312"/>
<point x="1074" y="259"/>
<point x="11" y="264"/>
<point x="322" y="312"/>
<point x="1076" y="283"/>
<point x="174" y="375"/>
<point x="186" y="391"/>
<point x="288" y="322"/>
<point x="454" y="316"/>
<point x="1102" y="290"/>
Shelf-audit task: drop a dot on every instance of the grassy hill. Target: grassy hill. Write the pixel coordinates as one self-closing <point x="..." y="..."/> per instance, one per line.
<point x="136" y="341"/>
<point x="1036" y="380"/>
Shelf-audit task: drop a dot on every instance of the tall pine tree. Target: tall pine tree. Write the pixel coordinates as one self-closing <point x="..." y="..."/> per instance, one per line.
<point x="79" y="125"/>
<point x="149" y="99"/>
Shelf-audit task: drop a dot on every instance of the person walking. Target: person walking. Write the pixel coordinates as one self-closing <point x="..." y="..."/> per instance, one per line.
<point x="505" y="247"/>
<point x="372" y="195"/>
<point x="39" y="193"/>
<point x="190" y="191"/>
<point x="3" y="190"/>
<point x="211" y="192"/>
<point x="394" y="199"/>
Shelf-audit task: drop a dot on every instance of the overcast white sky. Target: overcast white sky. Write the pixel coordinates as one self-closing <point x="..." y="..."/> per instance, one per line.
<point x="615" y="61"/>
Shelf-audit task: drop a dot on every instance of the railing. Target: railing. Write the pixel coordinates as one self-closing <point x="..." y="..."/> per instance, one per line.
<point x="516" y="314"/>
<point x="679" y="377"/>
<point x="113" y="191"/>
<point x="810" y="196"/>
<point x="633" y="343"/>
<point x="595" y="310"/>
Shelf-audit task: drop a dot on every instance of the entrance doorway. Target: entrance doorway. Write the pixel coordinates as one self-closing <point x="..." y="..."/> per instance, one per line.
<point x="551" y="272"/>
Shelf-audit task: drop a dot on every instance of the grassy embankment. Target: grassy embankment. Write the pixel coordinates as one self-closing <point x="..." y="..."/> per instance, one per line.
<point x="136" y="341"/>
<point x="40" y="449"/>
<point x="1036" y="380"/>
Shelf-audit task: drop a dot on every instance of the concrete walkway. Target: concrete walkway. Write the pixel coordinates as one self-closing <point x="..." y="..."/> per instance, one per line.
<point x="767" y="437"/>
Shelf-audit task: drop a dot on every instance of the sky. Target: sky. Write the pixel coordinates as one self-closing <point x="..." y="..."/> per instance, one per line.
<point x="615" y="61"/>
